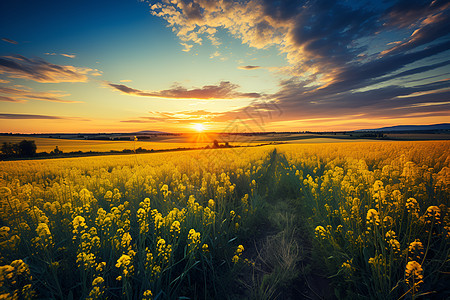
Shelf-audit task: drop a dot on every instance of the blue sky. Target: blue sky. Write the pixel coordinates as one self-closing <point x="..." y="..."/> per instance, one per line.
<point x="109" y="66"/>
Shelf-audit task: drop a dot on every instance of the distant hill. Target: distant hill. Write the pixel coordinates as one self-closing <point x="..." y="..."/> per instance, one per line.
<point x="150" y="132"/>
<point x="444" y="126"/>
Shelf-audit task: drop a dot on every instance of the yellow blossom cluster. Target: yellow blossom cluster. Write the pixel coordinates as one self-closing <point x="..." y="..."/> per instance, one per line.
<point x="237" y="254"/>
<point x="414" y="275"/>
<point x="15" y="281"/>
<point x="193" y="240"/>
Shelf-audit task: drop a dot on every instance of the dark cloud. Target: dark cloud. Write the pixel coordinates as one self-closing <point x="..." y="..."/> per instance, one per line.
<point x="36" y="117"/>
<point x="224" y="90"/>
<point x="324" y="30"/>
<point x="249" y="67"/>
<point x="39" y="70"/>
<point x="407" y="13"/>
<point x="432" y="28"/>
<point x="359" y="75"/>
<point x="10" y="41"/>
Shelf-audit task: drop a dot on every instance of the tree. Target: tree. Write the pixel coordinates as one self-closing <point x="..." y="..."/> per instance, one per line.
<point x="56" y="151"/>
<point x="215" y="144"/>
<point x="8" y="148"/>
<point x="26" y="148"/>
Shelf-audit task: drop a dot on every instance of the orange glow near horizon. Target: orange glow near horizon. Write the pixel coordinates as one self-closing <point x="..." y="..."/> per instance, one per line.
<point x="197" y="129"/>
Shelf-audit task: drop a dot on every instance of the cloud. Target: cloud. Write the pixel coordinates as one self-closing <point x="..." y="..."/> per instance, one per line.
<point x="39" y="70"/>
<point x="68" y="55"/>
<point x="224" y="90"/>
<point x="62" y="54"/>
<point x="21" y="94"/>
<point x="9" y="41"/>
<point x="215" y="54"/>
<point x="249" y="67"/>
<point x="431" y="28"/>
<point x="346" y="59"/>
<point x="312" y="44"/>
<point x="323" y="41"/>
<point x="10" y="99"/>
<point x="37" y="117"/>
<point x="407" y="13"/>
<point x="126" y="80"/>
<point x="4" y="81"/>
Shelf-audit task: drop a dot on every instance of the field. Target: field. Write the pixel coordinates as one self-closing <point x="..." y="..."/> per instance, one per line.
<point x="158" y="143"/>
<point x="366" y="220"/>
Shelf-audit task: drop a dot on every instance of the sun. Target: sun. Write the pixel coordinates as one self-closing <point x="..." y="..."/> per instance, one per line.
<point x="199" y="127"/>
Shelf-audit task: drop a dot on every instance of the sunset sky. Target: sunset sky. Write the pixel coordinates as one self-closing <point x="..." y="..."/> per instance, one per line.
<point x="128" y="65"/>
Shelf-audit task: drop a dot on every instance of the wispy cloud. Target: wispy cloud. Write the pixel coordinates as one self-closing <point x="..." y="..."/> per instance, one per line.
<point x="37" y="117"/>
<point x="126" y="80"/>
<point x="10" y="99"/>
<point x="224" y="90"/>
<point x="22" y="94"/>
<point x="62" y="54"/>
<point x="39" y="70"/>
<point x="10" y="41"/>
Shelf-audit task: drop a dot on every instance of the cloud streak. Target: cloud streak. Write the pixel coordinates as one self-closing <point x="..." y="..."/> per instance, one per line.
<point x="224" y="90"/>
<point x="39" y="70"/>
<point x="62" y="54"/>
<point x="10" y="41"/>
<point x="20" y="94"/>
<point x="249" y="67"/>
<point x="37" y="117"/>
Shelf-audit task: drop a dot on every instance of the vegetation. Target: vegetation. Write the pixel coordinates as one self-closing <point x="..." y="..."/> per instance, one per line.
<point x="256" y="223"/>
<point x="22" y="149"/>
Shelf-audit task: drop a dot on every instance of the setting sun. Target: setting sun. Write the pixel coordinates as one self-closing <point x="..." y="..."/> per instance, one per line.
<point x="199" y="127"/>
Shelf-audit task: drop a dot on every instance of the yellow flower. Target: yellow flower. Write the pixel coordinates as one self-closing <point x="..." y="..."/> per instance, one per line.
<point x="98" y="281"/>
<point x="395" y="245"/>
<point x="321" y="232"/>
<point x="372" y="218"/>
<point x="175" y="228"/>
<point x="205" y="248"/>
<point x="390" y="235"/>
<point x="414" y="275"/>
<point x="194" y="239"/>
<point x="433" y="213"/>
<point x="147" y="295"/>
<point x="235" y="259"/>
<point x="124" y="260"/>
<point x="413" y="207"/>
<point x="237" y="253"/>
<point x="415" y="250"/>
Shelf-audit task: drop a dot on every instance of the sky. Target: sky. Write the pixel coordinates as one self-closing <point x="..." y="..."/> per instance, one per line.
<point x="231" y="66"/>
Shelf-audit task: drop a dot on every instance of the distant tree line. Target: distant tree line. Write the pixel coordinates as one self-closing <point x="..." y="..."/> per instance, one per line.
<point x="22" y="149"/>
<point x="26" y="149"/>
